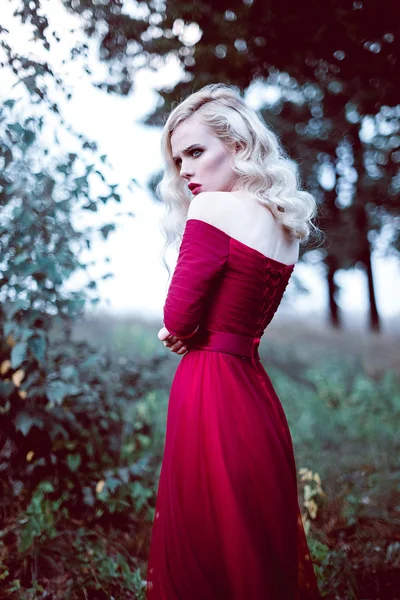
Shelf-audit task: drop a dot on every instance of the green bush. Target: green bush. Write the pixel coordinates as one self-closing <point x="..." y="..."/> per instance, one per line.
<point x="75" y="423"/>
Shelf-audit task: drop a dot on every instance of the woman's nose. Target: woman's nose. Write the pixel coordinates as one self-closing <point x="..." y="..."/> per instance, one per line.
<point x="186" y="170"/>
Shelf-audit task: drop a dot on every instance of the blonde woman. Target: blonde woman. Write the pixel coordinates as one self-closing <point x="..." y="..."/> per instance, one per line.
<point x="227" y="523"/>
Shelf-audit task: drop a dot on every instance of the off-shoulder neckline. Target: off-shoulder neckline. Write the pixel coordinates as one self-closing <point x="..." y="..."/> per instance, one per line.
<point x="268" y="258"/>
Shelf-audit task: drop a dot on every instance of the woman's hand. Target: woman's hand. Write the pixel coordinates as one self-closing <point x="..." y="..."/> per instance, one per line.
<point x="171" y="342"/>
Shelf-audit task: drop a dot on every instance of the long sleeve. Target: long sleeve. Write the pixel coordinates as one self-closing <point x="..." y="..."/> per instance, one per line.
<point x="203" y="255"/>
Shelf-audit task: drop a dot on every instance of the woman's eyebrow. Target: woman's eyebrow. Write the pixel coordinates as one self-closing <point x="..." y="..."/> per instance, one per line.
<point x="188" y="149"/>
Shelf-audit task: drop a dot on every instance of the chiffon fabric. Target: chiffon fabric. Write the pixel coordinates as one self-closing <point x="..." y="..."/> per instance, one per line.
<point x="227" y="521"/>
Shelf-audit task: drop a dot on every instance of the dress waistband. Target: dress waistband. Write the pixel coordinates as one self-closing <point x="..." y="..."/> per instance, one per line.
<point x="221" y="341"/>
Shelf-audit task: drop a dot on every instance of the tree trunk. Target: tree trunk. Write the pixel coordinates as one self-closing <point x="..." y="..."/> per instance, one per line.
<point x="362" y="225"/>
<point x="374" y="320"/>
<point x="365" y="258"/>
<point x="332" y="290"/>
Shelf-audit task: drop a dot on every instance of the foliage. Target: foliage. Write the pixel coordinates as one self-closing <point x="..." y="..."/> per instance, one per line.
<point x="333" y="570"/>
<point x="313" y="495"/>
<point x="344" y="423"/>
<point x="74" y="429"/>
<point x="353" y="449"/>
<point x="337" y="44"/>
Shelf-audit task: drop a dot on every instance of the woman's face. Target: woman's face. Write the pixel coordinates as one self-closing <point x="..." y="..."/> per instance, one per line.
<point x="201" y="158"/>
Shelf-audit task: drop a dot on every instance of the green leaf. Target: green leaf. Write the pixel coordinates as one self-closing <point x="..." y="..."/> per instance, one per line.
<point x="91" y="361"/>
<point x="13" y="308"/>
<point x="38" y="347"/>
<point x="24" y="423"/>
<point x="88" y="496"/>
<point x="106" y="230"/>
<point x="81" y="181"/>
<point x="90" y="206"/>
<point x="16" y="128"/>
<point x="76" y="305"/>
<point x="8" y="158"/>
<point x="63" y="169"/>
<point x="18" y="354"/>
<point x="56" y="391"/>
<point x="14" y="586"/>
<point x="74" y="461"/>
<point x="6" y="389"/>
<point x="20" y="258"/>
<point x="29" y="137"/>
<point x="69" y="372"/>
<point x="46" y="486"/>
<point x="113" y="483"/>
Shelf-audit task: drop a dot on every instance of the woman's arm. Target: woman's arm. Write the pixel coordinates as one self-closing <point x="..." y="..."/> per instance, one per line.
<point x="202" y="259"/>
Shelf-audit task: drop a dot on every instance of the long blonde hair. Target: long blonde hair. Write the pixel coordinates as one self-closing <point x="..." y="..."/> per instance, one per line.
<point x="262" y="166"/>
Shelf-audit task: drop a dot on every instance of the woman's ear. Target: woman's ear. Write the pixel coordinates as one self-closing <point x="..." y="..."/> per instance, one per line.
<point x="238" y="146"/>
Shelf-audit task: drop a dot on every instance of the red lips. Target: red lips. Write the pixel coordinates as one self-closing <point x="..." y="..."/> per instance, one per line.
<point x="194" y="187"/>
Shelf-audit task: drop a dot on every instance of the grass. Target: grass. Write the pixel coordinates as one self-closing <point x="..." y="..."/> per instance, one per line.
<point x="340" y="391"/>
<point x="341" y="395"/>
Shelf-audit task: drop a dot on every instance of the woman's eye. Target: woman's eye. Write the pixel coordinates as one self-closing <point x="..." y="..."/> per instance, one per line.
<point x="197" y="150"/>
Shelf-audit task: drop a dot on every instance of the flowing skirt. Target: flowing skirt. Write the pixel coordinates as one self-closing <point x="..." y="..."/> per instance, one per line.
<point x="227" y="522"/>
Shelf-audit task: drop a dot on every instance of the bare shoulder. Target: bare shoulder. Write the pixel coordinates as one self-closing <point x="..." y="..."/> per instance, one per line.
<point x="225" y="210"/>
<point x="211" y="207"/>
<point x="230" y="211"/>
<point x="244" y="218"/>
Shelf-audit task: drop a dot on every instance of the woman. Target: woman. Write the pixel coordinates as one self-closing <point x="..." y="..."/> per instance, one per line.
<point x="227" y="522"/>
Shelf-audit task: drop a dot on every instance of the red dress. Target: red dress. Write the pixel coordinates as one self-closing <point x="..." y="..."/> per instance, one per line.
<point x="227" y="524"/>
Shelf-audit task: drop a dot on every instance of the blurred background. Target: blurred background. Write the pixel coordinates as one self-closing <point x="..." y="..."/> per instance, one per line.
<point x="85" y="87"/>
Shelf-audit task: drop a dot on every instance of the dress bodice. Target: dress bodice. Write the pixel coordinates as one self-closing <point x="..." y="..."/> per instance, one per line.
<point x="220" y="284"/>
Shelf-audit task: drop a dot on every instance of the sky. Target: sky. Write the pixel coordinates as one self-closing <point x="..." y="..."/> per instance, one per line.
<point x="139" y="283"/>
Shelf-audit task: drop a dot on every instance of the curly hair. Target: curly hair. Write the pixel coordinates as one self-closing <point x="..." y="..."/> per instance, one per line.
<point x="261" y="164"/>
